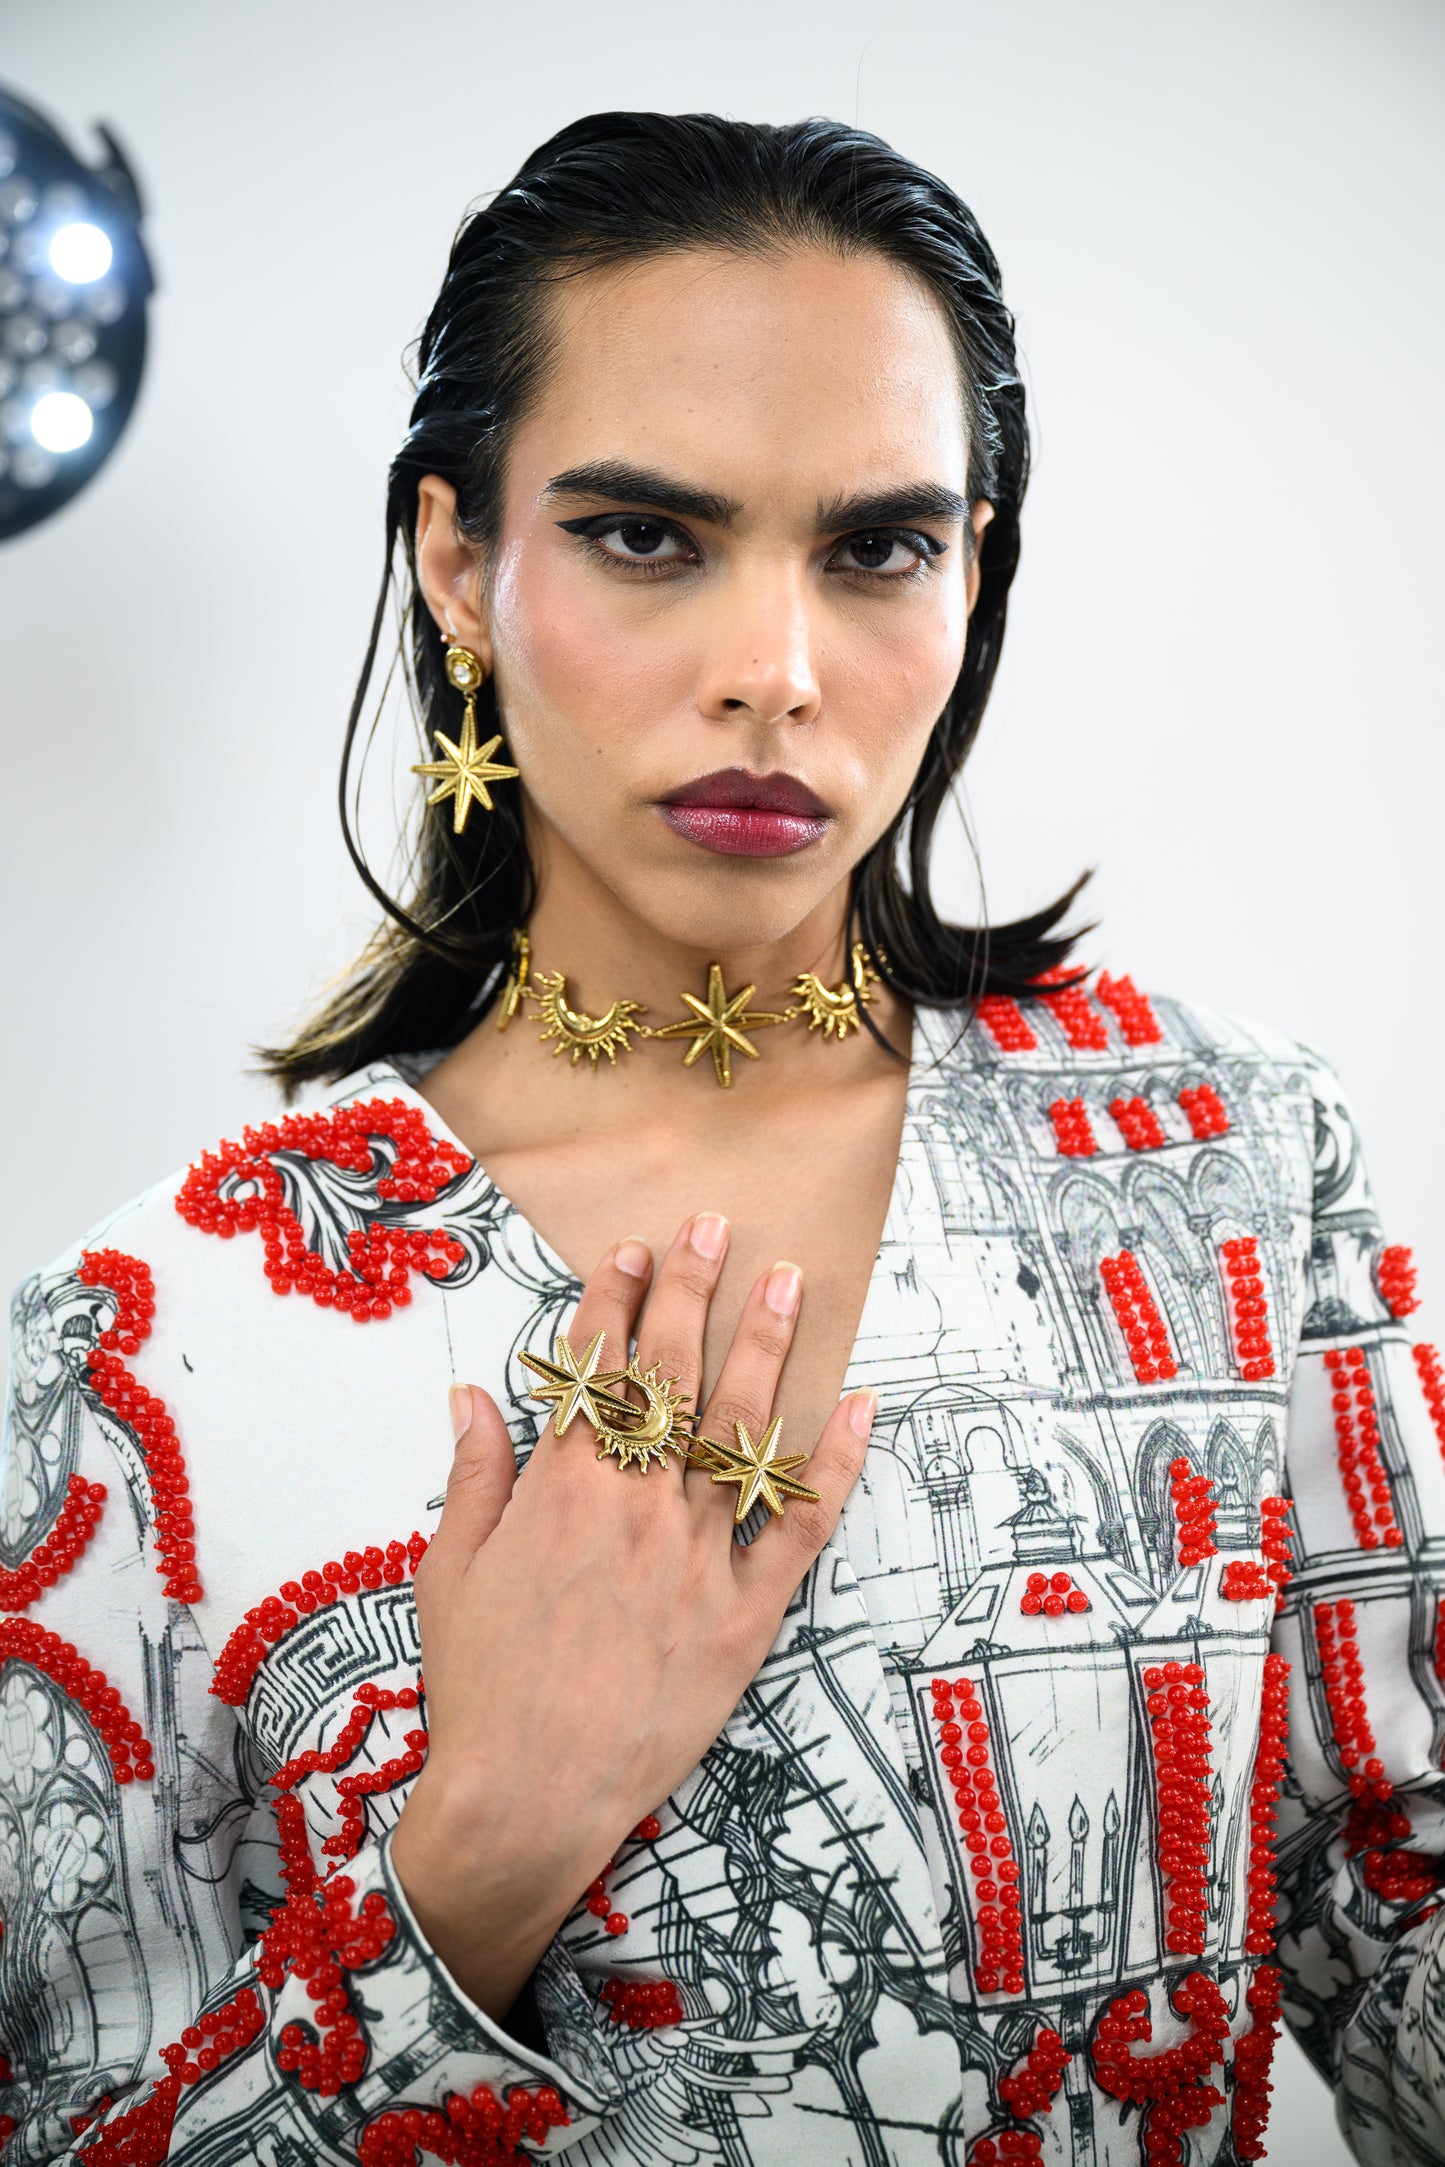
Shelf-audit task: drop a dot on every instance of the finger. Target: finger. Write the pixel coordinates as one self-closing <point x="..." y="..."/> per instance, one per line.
<point x="770" y="1569"/>
<point x="483" y="1470"/>
<point x="747" y="1385"/>
<point x="671" y="1332"/>
<point x="610" y="1303"/>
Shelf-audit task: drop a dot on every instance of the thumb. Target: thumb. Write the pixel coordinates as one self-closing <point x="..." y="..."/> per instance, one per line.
<point x="484" y="1467"/>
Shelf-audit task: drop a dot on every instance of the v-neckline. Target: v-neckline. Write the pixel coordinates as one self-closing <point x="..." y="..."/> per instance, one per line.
<point x="922" y="1053"/>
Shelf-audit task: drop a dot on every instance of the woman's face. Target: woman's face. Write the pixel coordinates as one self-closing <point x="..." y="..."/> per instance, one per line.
<point x="730" y="591"/>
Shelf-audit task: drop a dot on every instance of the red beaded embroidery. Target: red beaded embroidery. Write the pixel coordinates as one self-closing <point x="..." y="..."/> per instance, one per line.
<point x="1374" y="1822"/>
<point x="644" y="2005"/>
<point x="1240" y="1262"/>
<point x="131" y="1755"/>
<point x="1263" y="1797"/>
<point x="269" y="1621"/>
<point x="381" y="1256"/>
<point x="145" y="1416"/>
<point x="1072" y="1130"/>
<point x="1344" y="1683"/>
<point x="141" y="2137"/>
<point x="1395" y="1277"/>
<point x="1206" y="1111"/>
<point x="597" y="1900"/>
<point x="62" y="1549"/>
<point x="1178" y="1708"/>
<point x="1244" y="1580"/>
<point x="215" y="2036"/>
<point x="473" y="2132"/>
<point x="1007" y="1024"/>
<point x="1274" y="1540"/>
<point x="1192" y="1497"/>
<point x="1357" y="1434"/>
<point x="1170" y="2084"/>
<point x="1051" y="1593"/>
<point x="317" y="1937"/>
<point x="963" y="1751"/>
<point x="1138" y="1124"/>
<point x="368" y="1702"/>
<point x="1139" y="1319"/>
<point x="1033" y="2085"/>
<point x="1007" y="2148"/>
<point x="1253" y="2054"/>
<point x="1132" y="1010"/>
<point x="1432" y="1384"/>
<point x="1081" y="1024"/>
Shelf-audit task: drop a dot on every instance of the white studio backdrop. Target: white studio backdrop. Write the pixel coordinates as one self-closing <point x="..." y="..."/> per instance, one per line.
<point x="1219" y="227"/>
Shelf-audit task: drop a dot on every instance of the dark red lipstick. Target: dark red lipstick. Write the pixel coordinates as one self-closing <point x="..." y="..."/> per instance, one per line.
<point x="746" y="816"/>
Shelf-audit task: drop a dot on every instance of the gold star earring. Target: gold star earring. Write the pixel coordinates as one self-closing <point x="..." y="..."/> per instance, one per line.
<point x="465" y="768"/>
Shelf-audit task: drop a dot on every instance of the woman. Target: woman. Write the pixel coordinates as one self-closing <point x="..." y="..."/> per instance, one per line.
<point x="770" y="1794"/>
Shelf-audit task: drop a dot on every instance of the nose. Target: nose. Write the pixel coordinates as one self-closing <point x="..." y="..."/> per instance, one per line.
<point x="760" y="663"/>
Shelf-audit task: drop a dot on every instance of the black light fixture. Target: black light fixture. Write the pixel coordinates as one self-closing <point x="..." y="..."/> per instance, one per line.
<point x="74" y="282"/>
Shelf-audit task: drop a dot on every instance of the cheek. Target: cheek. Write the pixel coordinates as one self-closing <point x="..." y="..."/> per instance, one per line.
<point x="897" y="680"/>
<point x="569" y="665"/>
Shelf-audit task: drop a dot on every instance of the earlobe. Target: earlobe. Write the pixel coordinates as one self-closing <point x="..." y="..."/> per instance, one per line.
<point x="447" y="571"/>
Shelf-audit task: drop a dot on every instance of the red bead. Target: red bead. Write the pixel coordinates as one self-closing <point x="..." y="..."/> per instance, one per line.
<point x="1132" y="1010"/>
<point x="1005" y="1020"/>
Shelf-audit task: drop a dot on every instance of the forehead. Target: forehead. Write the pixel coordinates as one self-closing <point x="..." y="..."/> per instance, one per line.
<point x="794" y="373"/>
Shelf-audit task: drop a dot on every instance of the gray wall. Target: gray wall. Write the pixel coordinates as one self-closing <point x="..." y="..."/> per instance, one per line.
<point x="1220" y="230"/>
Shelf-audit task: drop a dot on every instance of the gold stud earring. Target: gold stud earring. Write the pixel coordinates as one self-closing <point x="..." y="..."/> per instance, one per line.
<point x="465" y="768"/>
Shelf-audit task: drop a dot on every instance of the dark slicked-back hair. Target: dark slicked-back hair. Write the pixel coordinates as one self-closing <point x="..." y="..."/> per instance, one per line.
<point x="615" y="188"/>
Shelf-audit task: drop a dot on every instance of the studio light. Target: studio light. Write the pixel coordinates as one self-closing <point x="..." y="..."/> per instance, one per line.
<point x="74" y="282"/>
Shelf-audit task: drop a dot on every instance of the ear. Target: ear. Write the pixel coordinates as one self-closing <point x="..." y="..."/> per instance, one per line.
<point x="979" y="516"/>
<point x="447" y="570"/>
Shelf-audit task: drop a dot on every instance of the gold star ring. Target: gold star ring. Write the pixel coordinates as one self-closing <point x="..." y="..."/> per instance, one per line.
<point x="634" y="1435"/>
<point x="757" y="1467"/>
<point x="572" y="1386"/>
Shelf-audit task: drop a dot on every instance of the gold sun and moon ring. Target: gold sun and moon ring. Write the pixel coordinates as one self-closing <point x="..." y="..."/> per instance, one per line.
<point x="637" y="1435"/>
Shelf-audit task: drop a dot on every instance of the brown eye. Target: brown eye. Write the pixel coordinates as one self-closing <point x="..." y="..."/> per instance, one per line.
<point x="873" y="551"/>
<point x="886" y="553"/>
<point x="639" y="538"/>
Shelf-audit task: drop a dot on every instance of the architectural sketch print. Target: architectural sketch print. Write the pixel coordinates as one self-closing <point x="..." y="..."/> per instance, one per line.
<point x="987" y="1863"/>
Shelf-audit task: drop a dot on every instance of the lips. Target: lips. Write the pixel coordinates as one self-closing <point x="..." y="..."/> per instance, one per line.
<point x="746" y="816"/>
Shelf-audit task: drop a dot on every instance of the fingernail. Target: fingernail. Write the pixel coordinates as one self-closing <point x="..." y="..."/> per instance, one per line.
<point x="861" y="1412"/>
<point x="634" y="1258"/>
<point x="459" y="1400"/>
<point x="708" y="1235"/>
<point x="783" y="1286"/>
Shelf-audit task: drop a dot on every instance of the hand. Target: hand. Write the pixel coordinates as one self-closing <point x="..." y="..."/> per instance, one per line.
<point x="587" y="1630"/>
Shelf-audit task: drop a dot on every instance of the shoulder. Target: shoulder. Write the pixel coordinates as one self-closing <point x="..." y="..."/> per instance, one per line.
<point x="1107" y="1023"/>
<point x="1143" y="1088"/>
<point x="164" y="1317"/>
<point x="336" y="1203"/>
<point x="368" y="1136"/>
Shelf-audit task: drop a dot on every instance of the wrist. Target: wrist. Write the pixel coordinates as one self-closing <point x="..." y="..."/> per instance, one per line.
<point x="486" y="1916"/>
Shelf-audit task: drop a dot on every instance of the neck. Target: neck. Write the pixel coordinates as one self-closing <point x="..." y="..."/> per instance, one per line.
<point x="605" y="955"/>
<point x="581" y="931"/>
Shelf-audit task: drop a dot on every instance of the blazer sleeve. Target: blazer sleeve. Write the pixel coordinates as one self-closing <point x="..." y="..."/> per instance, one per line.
<point x="176" y="1982"/>
<point x="1361" y="1857"/>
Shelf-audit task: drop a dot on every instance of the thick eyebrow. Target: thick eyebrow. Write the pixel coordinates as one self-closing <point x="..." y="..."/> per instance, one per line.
<point x="617" y="483"/>
<point x="892" y="507"/>
<point x="620" y="484"/>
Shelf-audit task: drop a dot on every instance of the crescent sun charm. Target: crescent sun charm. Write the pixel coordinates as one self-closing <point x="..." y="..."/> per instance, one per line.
<point x="835" y="1009"/>
<point x="637" y="1436"/>
<point x="574" y="1029"/>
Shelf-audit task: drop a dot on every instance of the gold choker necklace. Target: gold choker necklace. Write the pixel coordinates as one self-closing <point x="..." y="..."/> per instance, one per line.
<point x="717" y="1025"/>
